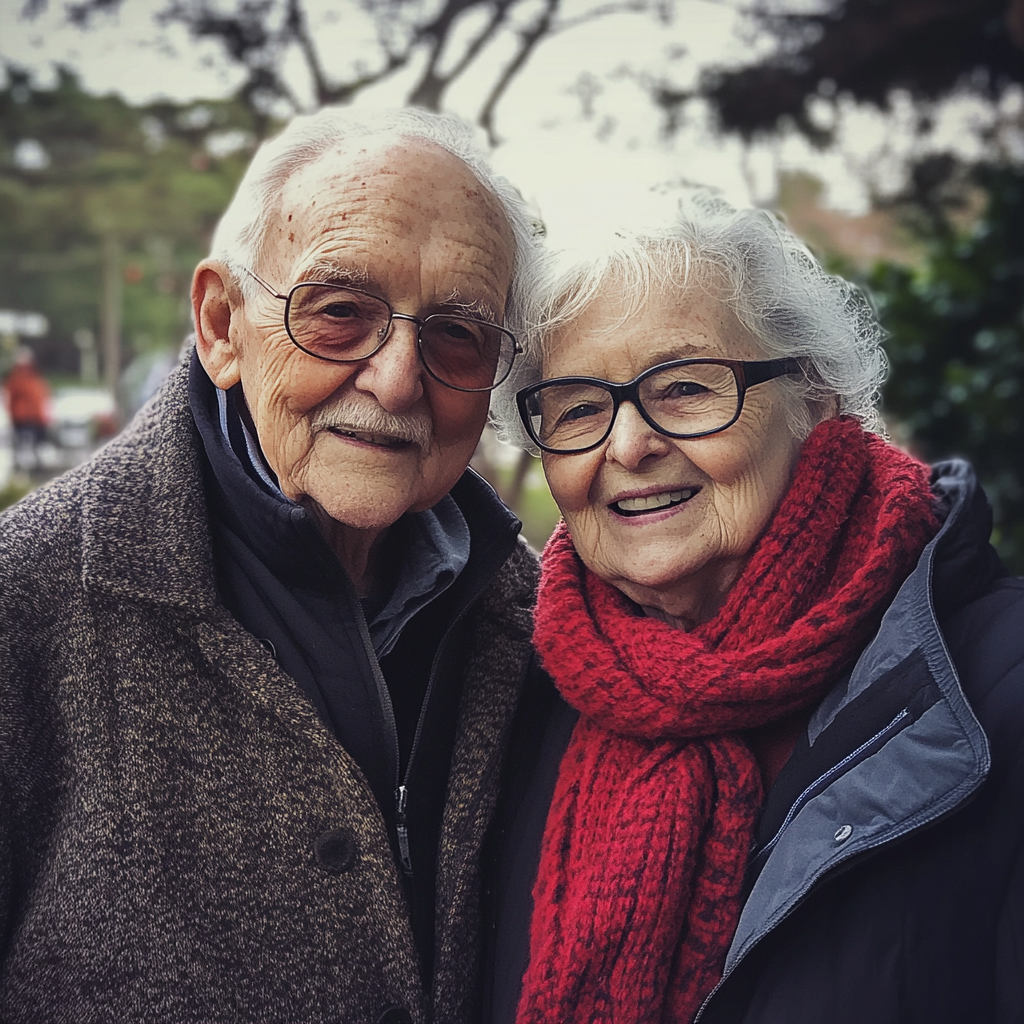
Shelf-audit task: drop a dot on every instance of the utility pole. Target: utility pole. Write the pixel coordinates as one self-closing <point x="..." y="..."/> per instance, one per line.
<point x="110" y="313"/>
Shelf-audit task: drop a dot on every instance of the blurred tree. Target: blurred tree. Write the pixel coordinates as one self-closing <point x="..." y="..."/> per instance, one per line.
<point x="864" y="49"/>
<point x="956" y="345"/>
<point x="437" y="43"/>
<point x="98" y="198"/>
<point x="955" y="317"/>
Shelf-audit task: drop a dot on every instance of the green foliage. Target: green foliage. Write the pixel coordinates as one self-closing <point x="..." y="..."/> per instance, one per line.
<point x="76" y="169"/>
<point x="957" y="347"/>
<point x="13" y="492"/>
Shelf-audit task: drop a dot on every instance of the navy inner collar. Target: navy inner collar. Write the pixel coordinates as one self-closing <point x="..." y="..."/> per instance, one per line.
<point x="427" y="550"/>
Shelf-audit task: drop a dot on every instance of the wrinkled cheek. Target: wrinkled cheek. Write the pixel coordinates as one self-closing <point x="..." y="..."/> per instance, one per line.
<point x="586" y="532"/>
<point x="285" y="440"/>
<point x="744" y="517"/>
<point x="566" y="481"/>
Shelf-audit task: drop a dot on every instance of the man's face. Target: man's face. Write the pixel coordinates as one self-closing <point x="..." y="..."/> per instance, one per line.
<point x="371" y="440"/>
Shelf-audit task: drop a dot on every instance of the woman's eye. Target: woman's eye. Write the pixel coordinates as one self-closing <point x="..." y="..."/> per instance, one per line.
<point x="684" y="389"/>
<point x="578" y="412"/>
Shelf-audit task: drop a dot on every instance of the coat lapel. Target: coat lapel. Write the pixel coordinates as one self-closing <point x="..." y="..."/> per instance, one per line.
<point x="144" y="522"/>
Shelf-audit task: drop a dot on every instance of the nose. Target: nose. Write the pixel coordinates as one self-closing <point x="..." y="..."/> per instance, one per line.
<point x="633" y="439"/>
<point x="394" y="373"/>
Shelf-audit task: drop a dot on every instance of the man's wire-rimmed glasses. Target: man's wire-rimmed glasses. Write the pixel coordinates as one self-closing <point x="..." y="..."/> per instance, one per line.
<point x="340" y="324"/>
<point x="684" y="398"/>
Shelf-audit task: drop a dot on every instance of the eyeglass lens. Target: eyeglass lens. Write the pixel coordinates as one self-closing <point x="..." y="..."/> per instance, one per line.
<point x="696" y="398"/>
<point x="343" y="326"/>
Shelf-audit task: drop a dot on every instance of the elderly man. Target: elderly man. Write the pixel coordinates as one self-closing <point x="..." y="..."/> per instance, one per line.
<point x="259" y="657"/>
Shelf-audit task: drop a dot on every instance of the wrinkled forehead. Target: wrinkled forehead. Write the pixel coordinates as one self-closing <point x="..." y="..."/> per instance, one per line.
<point x="648" y="322"/>
<point x="374" y="198"/>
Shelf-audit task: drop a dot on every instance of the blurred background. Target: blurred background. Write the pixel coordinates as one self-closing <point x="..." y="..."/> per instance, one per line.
<point x="889" y="134"/>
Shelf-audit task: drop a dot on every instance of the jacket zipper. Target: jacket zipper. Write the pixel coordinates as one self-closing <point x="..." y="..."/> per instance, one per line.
<point x="401" y="791"/>
<point x="402" y="829"/>
<point x="401" y="794"/>
<point x="401" y="782"/>
<point x="819" y="785"/>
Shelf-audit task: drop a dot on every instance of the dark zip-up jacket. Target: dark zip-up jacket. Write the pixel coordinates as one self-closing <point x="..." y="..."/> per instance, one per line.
<point x="887" y="884"/>
<point x="182" y="839"/>
<point x="394" y="715"/>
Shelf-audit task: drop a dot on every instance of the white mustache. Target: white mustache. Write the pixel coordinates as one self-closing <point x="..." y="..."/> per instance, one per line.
<point x="364" y="415"/>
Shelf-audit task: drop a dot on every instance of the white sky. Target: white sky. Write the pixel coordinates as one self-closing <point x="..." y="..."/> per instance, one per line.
<point x="557" y="157"/>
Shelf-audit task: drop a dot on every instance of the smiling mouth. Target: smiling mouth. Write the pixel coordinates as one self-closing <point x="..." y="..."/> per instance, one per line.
<point x="652" y="502"/>
<point x="368" y="437"/>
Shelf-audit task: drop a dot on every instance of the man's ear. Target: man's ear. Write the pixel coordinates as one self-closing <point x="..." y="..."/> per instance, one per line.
<point x="215" y="300"/>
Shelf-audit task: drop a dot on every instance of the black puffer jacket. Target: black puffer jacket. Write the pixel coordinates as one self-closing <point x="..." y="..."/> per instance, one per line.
<point x="887" y="886"/>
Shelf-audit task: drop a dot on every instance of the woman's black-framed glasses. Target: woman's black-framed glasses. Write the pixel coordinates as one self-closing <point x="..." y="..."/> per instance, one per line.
<point x="684" y="398"/>
<point x="339" y="324"/>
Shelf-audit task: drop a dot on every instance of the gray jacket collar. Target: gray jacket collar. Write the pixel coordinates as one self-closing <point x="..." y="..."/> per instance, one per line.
<point x="917" y="767"/>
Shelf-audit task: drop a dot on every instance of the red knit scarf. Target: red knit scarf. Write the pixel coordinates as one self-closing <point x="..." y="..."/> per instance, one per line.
<point x="658" y="794"/>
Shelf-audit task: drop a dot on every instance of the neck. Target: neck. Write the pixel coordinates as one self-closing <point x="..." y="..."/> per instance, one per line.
<point x="691" y="601"/>
<point x="357" y="550"/>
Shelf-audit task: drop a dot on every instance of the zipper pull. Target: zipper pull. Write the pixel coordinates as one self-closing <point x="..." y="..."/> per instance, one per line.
<point x="401" y="798"/>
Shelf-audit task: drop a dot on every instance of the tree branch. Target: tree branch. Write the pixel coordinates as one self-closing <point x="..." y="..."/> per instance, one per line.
<point x="428" y="91"/>
<point x="529" y="40"/>
<point x="628" y="7"/>
<point x="500" y="13"/>
<point x="343" y="93"/>
<point x="298" y="28"/>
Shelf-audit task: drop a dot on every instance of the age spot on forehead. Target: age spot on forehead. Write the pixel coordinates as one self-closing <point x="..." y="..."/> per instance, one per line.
<point x="397" y="195"/>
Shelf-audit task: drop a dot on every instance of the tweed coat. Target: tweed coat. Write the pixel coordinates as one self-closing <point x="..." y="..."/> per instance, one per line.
<point x="163" y="784"/>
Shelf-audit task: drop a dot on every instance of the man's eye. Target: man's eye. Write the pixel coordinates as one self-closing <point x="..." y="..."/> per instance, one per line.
<point x="457" y="330"/>
<point x="341" y="311"/>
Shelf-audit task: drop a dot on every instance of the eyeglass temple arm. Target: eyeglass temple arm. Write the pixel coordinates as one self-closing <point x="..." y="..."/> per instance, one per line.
<point x="259" y="280"/>
<point x="768" y="369"/>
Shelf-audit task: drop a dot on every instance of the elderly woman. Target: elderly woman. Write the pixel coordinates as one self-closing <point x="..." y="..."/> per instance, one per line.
<point x="784" y="783"/>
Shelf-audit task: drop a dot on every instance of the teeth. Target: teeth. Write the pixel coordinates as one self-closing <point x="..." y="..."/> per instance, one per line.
<point x="381" y="440"/>
<point x="653" y="501"/>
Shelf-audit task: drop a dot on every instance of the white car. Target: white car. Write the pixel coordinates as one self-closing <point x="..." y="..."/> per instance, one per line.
<point x="6" y="448"/>
<point x="80" y="416"/>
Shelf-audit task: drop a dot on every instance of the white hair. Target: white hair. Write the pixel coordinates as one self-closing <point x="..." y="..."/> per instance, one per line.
<point x="746" y="259"/>
<point x="240" y="238"/>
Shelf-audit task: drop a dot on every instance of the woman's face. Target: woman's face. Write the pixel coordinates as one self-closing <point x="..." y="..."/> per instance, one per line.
<point x="678" y="558"/>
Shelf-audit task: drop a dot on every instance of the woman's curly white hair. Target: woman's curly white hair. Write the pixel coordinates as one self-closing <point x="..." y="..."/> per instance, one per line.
<point x="748" y="260"/>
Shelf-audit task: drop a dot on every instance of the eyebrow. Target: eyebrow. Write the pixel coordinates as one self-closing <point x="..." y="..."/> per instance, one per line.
<point x="477" y="308"/>
<point x="668" y="353"/>
<point x="326" y="272"/>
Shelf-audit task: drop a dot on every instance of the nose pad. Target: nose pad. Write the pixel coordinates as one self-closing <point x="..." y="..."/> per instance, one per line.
<point x="633" y="439"/>
<point x="394" y="373"/>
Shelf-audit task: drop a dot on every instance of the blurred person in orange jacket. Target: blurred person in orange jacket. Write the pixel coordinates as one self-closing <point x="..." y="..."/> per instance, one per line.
<point x="27" y="398"/>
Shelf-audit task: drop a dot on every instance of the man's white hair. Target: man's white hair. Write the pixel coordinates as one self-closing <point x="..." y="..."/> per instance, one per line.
<point x="746" y="259"/>
<point x="241" y="235"/>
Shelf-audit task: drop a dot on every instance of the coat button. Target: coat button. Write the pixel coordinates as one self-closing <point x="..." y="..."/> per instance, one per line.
<point x="395" y="1015"/>
<point x="843" y="833"/>
<point x="335" y="851"/>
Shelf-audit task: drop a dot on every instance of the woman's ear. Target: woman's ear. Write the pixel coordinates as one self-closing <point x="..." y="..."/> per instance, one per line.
<point x="823" y="409"/>
<point x="215" y="301"/>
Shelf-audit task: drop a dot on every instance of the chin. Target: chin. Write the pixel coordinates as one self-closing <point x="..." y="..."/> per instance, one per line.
<point x="658" y="566"/>
<point x="656" y="581"/>
<point x="359" y="516"/>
